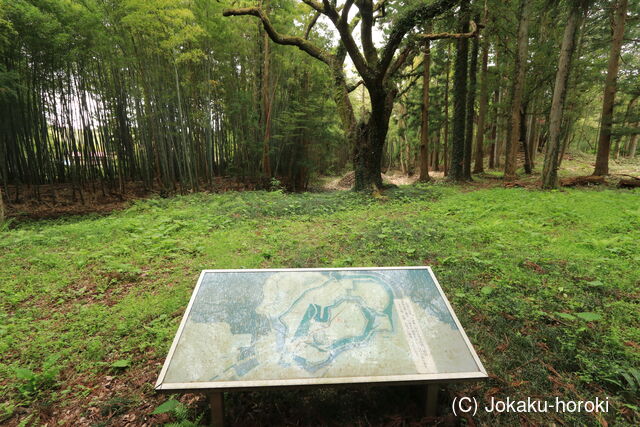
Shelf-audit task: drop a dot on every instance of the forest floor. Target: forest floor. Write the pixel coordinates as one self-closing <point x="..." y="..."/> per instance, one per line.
<point x="574" y="165"/>
<point x="546" y="285"/>
<point x="58" y="200"/>
<point x="55" y="200"/>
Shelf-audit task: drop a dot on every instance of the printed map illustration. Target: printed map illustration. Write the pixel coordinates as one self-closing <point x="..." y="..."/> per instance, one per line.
<point x="266" y="325"/>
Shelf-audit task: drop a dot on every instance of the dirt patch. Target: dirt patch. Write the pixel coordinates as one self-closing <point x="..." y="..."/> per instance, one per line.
<point x="343" y="183"/>
<point x="391" y="177"/>
<point x="533" y="266"/>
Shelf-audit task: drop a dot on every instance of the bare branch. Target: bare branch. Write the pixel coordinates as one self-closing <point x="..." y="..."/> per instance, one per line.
<point x="300" y="43"/>
<point x="475" y="31"/>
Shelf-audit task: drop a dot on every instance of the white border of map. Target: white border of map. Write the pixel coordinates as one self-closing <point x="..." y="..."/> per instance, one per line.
<point x="481" y="373"/>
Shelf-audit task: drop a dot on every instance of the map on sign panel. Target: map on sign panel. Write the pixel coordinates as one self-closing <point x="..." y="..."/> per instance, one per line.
<point x="261" y="326"/>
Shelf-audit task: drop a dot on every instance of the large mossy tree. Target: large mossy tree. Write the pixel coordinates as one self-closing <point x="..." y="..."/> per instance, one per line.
<point x="375" y="66"/>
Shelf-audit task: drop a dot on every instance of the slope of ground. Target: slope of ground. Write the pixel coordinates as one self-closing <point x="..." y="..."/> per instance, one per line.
<point x="545" y="284"/>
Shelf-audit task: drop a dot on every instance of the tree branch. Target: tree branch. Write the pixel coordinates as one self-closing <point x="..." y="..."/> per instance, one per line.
<point x="379" y="6"/>
<point x="351" y="88"/>
<point x="340" y="52"/>
<point x="300" y="43"/>
<point x="408" y="52"/>
<point x="344" y="29"/>
<point x="314" y="5"/>
<point x="366" y="12"/>
<point x="409" y="86"/>
<point x="475" y="30"/>
<point x="412" y="73"/>
<point x="313" y="21"/>
<point x="344" y="17"/>
<point x="409" y="18"/>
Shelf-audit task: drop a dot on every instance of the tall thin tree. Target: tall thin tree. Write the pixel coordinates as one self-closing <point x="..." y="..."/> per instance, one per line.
<point x="1" y="207"/>
<point x="606" y="120"/>
<point x="482" y="108"/>
<point x="456" y="171"/>
<point x="471" y="107"/>
<point x="513" y="130"/>
<point x="424" y="128"/>
<point x="266" y="97"/>
<point x="550" y="168"/>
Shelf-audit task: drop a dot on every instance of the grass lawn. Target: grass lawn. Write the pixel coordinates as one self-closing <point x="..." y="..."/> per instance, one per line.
<point x="546" y="284"/>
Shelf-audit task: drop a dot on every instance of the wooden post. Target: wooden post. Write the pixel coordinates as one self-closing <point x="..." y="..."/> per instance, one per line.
<point x="431" y="401"/>
<point x="216" y="402"/>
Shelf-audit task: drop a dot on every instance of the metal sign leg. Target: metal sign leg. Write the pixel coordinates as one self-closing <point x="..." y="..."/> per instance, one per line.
<point x="216" y="402"/>
<point x="431" y="403"/>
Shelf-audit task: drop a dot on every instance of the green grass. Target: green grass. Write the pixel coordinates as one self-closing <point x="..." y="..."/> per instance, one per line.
<point x="546" y="285"/>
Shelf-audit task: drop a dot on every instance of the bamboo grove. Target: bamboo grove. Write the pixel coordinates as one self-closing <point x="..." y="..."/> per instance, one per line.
<point x="101" y="93"/>
<point x="169" y="93"/>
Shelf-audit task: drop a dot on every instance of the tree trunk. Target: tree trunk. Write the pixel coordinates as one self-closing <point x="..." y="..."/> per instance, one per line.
<point x="630" y="105"/>
<point x="435" y="158"/>
<point x="564" y="145"/>
<point x="604" y="139"/>
<point x="407" y="154"/>
<point x="479" y="166"/>
<point x="367" y="159"/>
<point x="551" y="159"/>
<point x="523" y="139"/>
<point x="617" y="149"/>
<point x="1" y="208"/>
<point x="513" y="131"/>
<point x="456" y="172"/>
<point x="424" y="128"/>
<point x="404" y="147"/>
<point x="371" y="136"/>
<point x="494" y="130"/>
<point x="501" y="119"/>
<point x="445" y="151"/>
<point x="633" y="145"/>
<point x="471" y="108"/>
<point x="533" y="129"/>
<point x="266" y="104"/>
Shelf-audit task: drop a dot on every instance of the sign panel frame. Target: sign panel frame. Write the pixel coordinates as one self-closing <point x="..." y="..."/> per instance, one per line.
<point x="238" y="385"/>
